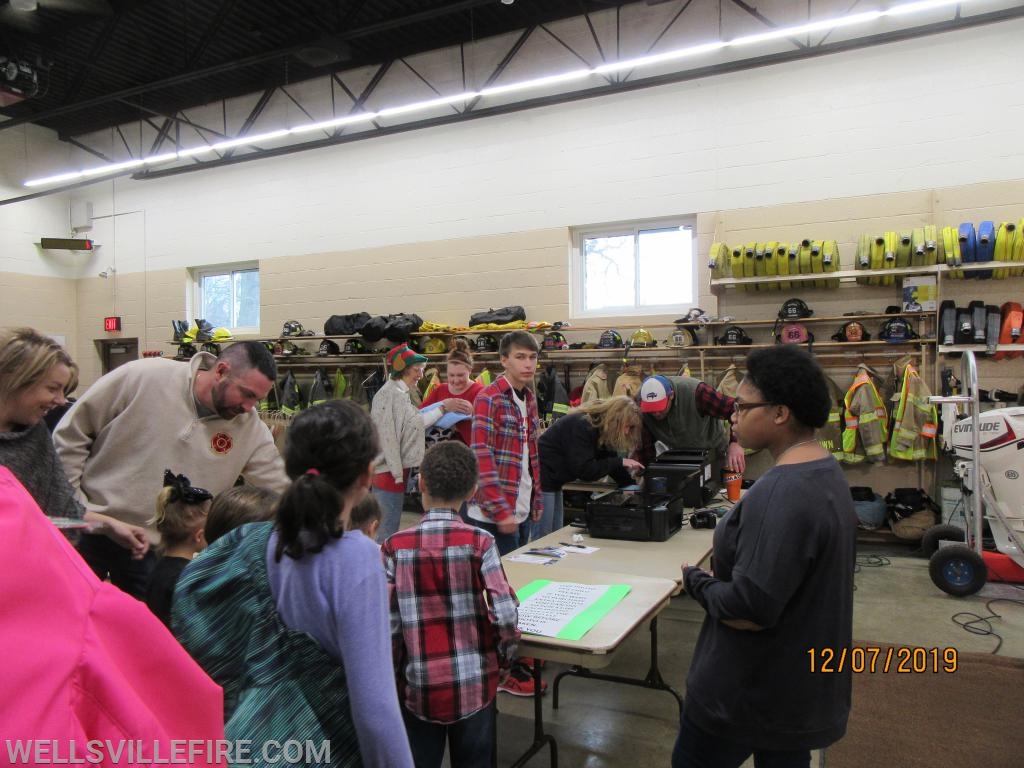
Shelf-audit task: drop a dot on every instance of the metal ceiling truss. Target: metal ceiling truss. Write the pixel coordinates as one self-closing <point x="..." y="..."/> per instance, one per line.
<point x="472" y="109"/>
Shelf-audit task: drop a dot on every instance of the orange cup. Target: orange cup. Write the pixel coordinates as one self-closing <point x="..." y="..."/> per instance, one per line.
<point x="733" y="483"/>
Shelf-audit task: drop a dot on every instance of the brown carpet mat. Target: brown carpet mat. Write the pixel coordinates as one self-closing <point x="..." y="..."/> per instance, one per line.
<point x="970" y="718"/>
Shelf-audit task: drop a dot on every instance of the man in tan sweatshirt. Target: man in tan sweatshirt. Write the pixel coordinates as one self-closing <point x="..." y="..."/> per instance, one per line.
<point x="195" y="418"/>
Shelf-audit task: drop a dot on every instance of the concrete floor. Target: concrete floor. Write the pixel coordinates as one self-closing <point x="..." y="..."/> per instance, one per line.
<point x="606" y="725"/>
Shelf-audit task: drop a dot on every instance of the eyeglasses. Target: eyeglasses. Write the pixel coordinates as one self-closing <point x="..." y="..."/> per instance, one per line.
<point x="738" y="407"/>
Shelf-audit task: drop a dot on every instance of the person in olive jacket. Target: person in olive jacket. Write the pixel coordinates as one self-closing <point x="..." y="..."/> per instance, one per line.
<point x="586" y="444"/>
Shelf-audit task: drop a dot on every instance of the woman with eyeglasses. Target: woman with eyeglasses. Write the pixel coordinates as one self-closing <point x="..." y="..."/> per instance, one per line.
<point x="782" y="586"/>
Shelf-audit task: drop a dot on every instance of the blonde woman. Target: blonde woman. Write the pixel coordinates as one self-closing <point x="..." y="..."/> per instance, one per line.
<point x="586" y="445"/>
<point x="37" y="375"/>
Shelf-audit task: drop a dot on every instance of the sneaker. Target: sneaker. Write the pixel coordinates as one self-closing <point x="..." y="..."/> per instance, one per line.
<point x="519" y="683"/>
<point x="527" y="663"/>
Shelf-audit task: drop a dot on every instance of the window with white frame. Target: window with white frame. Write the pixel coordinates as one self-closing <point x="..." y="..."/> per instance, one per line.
<point x="639" y="268"/>
<point x="229" y="296"/>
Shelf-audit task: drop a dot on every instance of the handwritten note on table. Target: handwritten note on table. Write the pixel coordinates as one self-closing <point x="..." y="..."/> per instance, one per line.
<point x="563" y="609"/>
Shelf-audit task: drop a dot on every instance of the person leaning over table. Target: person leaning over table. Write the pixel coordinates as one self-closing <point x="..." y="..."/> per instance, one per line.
<point x="197" y="417"/>
<point x="36" y="375"/>
<point x="782" y="586"/>
<point x="682" y="412"/>
<point x="585" y="445"/>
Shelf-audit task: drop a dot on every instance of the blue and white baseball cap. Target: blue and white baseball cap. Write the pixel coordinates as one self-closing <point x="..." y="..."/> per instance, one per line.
<point x="656" y="394"/>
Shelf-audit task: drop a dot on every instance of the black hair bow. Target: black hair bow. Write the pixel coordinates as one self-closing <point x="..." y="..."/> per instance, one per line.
<point x="182" y="489"/>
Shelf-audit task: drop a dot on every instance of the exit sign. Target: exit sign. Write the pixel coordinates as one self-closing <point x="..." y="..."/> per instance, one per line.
<point x="112" y="323"/>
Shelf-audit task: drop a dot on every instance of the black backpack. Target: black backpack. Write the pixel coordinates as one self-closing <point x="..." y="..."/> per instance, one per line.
<point x="373" y="329"/>
<point x="345" y="325"/>
<point x="498" y="316"/>
<point x="400" y="327"/>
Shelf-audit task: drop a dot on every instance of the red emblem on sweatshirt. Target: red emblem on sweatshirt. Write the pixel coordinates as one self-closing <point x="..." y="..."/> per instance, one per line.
<point x="221" y="443"/>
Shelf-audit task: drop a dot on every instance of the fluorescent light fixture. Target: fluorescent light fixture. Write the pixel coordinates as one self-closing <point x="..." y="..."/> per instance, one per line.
<point x="659" y="58"/>
<point x="112" y="168"/>
<point x="805" y="29"/>
<point x="441" y="101"/>
<point x="699" y="49"/>
<point x="164" y="158"/>
<point x="335" y="122"/>
<point x="70" y="176"/>
<point x="537" y="82"/>
<point x="202" y="149"/>
<point x="243" y="141"/>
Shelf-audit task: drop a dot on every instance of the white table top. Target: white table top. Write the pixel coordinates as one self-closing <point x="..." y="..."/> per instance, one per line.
<point x="646" y="597"/>
<point x="653" y="559"/>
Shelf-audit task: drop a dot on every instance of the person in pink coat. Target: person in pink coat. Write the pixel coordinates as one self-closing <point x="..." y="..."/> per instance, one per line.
<point x="86" y="667"/>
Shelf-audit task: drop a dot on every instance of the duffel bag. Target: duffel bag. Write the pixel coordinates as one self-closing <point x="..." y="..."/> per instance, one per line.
<point x="345" y="325"/>
<point x="498" y="316"/>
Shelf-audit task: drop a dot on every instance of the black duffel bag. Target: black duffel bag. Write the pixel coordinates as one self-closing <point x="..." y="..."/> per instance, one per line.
<point x="400" y="327"/>
<point x="498" y="316"/>
<point x="345" y="325"/>
<point x="373" y="329"/>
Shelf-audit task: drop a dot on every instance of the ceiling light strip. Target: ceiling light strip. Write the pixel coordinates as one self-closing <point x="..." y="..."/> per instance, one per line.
<point x="700" y="49"/>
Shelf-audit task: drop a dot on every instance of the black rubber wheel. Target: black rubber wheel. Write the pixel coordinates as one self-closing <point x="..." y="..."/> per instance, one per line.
<point x="935" y="534"/>
<point x="958" y="570"/>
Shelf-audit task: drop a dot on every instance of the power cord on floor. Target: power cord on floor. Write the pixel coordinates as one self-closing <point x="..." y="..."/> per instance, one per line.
<point x="869" y="561"/>
<point x="980" y="625"/>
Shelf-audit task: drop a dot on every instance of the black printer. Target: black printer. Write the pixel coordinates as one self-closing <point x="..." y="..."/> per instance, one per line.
<point x="672" y="474"/>
<point x="675" y="480"/>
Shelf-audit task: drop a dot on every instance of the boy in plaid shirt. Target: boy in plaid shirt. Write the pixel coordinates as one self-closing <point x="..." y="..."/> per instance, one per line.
<point x="453" y="618"/>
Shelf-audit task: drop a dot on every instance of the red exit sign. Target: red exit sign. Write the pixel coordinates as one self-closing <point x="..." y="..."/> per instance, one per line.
<point x="111" y="324"/>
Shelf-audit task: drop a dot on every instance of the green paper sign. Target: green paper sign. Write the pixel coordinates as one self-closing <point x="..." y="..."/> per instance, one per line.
<point x="582" y="622"/>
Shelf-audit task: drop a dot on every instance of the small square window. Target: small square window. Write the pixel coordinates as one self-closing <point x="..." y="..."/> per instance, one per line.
<point x="229" y="297"/>
<point x="634" y="269"/>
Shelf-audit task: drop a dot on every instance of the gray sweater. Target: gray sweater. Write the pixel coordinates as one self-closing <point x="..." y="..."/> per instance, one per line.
<point x="31" y="457"/>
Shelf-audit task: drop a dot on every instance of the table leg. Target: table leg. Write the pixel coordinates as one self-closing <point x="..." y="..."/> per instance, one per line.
<point x="652" y="680"/>
<point x="540" y="739"/>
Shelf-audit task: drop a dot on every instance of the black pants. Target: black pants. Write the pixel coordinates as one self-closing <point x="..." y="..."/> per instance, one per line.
<point x="109" y="559"/>
<point x="698" y="749"/>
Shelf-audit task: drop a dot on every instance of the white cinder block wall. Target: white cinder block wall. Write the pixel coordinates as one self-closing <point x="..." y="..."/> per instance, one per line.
<point x="880" y="120"/>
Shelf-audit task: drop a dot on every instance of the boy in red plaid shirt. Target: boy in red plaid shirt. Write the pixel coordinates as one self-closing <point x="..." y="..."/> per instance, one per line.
<point x="453" y="618"/>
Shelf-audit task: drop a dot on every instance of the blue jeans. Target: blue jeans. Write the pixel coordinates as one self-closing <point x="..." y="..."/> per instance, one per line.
<point x="553" y="517"/>
<point x="698" y="749"/>
<point x="470" y="740"/>
<point x="390" y="512"/>
<point x="506" y="541"/>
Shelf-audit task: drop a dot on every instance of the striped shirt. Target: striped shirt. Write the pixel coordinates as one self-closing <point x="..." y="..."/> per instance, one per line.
<point x="453" y="616"/>
<point x="499" y="434"/>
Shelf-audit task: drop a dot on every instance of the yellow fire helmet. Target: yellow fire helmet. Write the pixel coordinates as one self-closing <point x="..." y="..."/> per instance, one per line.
<point x="222" y="334"/>
<point x="433" y="345"/>
<point x="641" y="338"/>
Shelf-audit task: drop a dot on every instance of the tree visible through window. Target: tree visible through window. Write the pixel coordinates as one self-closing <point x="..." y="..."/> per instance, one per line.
<point x="640" y="269"/>
<point x="229" y="297"/>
